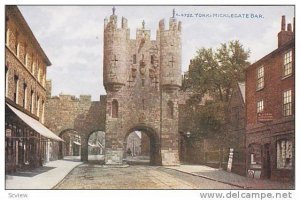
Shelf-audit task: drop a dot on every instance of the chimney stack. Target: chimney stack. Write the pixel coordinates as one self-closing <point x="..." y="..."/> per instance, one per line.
<point x="285" y="35"/>
<point x="283" y="23"/>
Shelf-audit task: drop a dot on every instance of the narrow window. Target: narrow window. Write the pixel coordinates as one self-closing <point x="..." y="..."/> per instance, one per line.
<point x="43" y="112"/>
<point x="152" y="59"/>
<point x="16" y="47"/>
<point x="26" y="60"/>
<point x="287" y="63"/>
<point x="134" y="59"/>
<point x="16" y="91"/>
<point x="287" y="103"/>
<point x="170" y="111"/>
<point x="115" y="108"/>
<point x="25" y="95"/>
<point x="38" y="106"/>
<point x="260" y="78"/>
<point x="32" y="101"/>
<point x="260" y="106"/>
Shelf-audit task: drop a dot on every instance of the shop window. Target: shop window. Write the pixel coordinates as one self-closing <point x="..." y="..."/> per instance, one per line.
<point x="255" y="154"/>
<point x="284" y="154"/>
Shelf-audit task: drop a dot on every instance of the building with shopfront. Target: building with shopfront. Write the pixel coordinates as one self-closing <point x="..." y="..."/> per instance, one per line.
<point x="270" y="111"/>
<point x="27" y="140"/>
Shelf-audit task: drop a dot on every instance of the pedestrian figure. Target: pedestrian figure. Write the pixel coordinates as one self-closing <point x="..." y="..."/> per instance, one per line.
<point x="129" y="152"/>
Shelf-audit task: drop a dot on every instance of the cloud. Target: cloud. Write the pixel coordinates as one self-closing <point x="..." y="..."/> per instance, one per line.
<point x="72" y="36"/>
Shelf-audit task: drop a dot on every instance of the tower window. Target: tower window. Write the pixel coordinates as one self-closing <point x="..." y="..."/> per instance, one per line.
<point x="152" y="59"/>
<point x="170" y="111"/>
<point x="115" y="109"/>
<point x="134" y="59"/>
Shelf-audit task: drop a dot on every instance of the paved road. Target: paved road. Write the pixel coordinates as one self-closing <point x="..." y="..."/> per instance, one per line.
<point x="88" y="176"/>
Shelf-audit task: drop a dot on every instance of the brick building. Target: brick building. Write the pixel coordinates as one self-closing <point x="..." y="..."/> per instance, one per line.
<point x="26" y="138"/>
<point x="270" y="110"/>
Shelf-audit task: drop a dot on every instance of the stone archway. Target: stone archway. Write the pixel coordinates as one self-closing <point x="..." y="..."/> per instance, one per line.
<point x="95" y="147"/>
<point x="155" y="154"/>
<point x="71" y="146"/>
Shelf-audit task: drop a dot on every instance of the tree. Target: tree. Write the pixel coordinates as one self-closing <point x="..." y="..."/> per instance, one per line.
<point x="214" y="73"/>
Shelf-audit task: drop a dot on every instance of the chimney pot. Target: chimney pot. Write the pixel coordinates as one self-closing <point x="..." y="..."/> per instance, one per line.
<point x="289" y="27"/>
<point x="283" y="23"/>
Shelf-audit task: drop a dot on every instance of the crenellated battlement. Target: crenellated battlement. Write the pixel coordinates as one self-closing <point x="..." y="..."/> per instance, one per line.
<point x="173" y="25"/>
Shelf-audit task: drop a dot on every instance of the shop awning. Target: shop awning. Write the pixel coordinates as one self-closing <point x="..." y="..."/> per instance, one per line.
<point x="35" y="124"/>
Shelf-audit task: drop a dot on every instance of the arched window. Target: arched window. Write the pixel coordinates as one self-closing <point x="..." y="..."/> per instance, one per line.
<point x="170" y="109"/>
<point x="115" y="109"/>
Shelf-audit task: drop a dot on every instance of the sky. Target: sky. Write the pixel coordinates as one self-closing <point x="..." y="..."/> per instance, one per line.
<point x="72" y="36"/>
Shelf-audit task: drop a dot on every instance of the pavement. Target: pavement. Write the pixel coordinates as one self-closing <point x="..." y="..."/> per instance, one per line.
<point x="52" y="174"/>
<point x="45" y="177"/>
<point x="221" y="176"/>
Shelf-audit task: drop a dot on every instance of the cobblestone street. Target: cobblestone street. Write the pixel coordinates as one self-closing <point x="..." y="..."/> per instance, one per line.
<point x="134" y="177"/>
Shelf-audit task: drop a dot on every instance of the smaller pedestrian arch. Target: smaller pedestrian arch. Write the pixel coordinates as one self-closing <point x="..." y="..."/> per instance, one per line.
<point x="96" y="147"/>
<point x="71" y="148"/>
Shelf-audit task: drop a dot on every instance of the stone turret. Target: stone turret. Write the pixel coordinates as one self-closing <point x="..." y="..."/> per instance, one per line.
<point x="170" y="57"/>
<point x="115" y="57"/>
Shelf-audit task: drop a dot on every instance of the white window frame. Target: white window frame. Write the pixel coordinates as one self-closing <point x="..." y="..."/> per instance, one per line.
<point x="287" y="63"/>
<point x="260" y="77"/>
<point x="260" y="106"/>
<point x="287" y="103"/>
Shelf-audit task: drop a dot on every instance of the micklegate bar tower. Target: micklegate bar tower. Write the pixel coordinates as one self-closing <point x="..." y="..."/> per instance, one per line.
<point x="142" y="78"/>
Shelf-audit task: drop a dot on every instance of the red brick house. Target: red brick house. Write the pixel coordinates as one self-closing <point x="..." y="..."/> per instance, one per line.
<point x="270" y="111"/>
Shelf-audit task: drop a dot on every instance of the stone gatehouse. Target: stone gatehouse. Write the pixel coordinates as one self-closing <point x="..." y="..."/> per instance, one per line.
<point x="142" y="78"/>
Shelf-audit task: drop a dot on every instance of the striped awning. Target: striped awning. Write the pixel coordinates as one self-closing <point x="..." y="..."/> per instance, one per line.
<point x="35" y="124"/>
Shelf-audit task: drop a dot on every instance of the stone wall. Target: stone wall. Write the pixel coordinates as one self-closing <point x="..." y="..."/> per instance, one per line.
<point x="66" y="112"/>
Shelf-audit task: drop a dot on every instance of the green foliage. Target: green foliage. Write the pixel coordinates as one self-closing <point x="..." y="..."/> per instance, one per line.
<point x="214" y="73"/>
<point x="217" y="72"/>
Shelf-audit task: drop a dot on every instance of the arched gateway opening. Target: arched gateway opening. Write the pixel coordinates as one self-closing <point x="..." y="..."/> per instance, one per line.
<point x="96" y="147"/>
<point x="141" y="146"/>
<point x="71" y="148"/>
